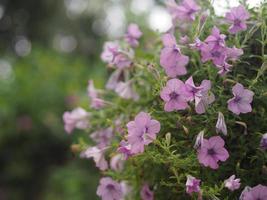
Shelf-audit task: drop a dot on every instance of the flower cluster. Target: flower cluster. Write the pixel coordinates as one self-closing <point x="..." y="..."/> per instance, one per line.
<point x="143" y="126"/>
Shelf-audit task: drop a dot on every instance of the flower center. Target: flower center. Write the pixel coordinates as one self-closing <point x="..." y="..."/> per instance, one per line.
<point x="211" y="152"/>
<point x="173" y="95"/>
<point x="237" y="99"/>
<point x="216" y="54"/>
<point x="110" y="187"/>
<point x="237" y="22"/>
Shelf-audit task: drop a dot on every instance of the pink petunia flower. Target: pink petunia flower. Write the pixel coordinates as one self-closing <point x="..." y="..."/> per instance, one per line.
<point x="217" y="54"/>
<point x="93" y="94"/>
<point x="237" y="17"/>
<point x="185" y="11"/>
<point x="232" y="183"/>
<point x="241" y="102"/>
<point x="142" y="131"/>
<point x="98" y="156"/>
<point x="221" y="125"/>
<point x="103" y="137"/>
<point x="263" y="142"/>
<point x="146" y="193"/>
<point x="258" y="192"/>
<point x="171" y="58"/>
<point x="133" y="34"/>
<point x="78" y="118"/>
<point x="211" y="151"/>
<point x="109" y="189"/>
<point x="192" y="185"/>
<point x="174" y="95"/>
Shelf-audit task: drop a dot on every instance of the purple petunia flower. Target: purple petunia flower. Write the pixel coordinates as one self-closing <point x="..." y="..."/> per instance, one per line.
<point x="142" y="131"/>
<point x="114" y="79"/>
<point x="221" y="125"/>
<point x="232" y="183"/>
<point x="98" y="155"/>
<point x="109" y="189"/>
<point x="233" y="53"/>
<point x="171" y="58"/>
<point x="237" y="17"/>
<point x="115" y="56"/>
<point x="174" y="95"/>
<point x="102" y="137"/>
<point x="146" y="193"/>
<point x="93" y="94"/>
<point x="263" y="143"/>
<point x="241" y="102"/>
<point x="133" y="34"/>
<point x="216" y="39"/>
<point x="212" y="151"/>
<point x="192" y="185"/>
<point x="186" y="10"/>
<point x="78" y="118"/>
<point x="258" y="192"/>
<point x="217" y="54"/>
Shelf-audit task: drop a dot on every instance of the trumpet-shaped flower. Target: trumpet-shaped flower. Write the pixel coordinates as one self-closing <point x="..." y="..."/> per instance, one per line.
<point x="125" y="90"/>
<point x="109" y="189"/>
<point x="174" y="95"/>
<point x="142" y="131"/>
<point x="237" y="18"/>
<point x="93" y="94"/>
<point x="232" y="183"/>
<point x="78" y="118"/>
<point x="103" y="137"/>
<point x="211" y="151"/>
<point x="171" y="58"/>
<point x="258" y="192"/>
<point x="241" y="102"/>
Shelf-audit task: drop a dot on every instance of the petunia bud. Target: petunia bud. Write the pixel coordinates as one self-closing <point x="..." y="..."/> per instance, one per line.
<point x="199" y="140"/>
<point x="263" y="143"/>
<point x="220" y="125"/>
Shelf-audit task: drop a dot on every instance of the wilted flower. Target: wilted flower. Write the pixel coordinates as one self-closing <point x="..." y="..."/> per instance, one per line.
<point x="199" y="140"/>
<point x="186" y="10"/>
<point x="125" y="90"/>
<point x="192" y="185"/>
<point x="171" y="58"/>
<point x="78" y="118"/>
<point x="263" y="143"/>
<point x="258" y="192"/>
<point x="224" y="68"/>
<point x="174" y="95"/>
<point x="232" y="183"/>
<point x="102" y="137"/>
<point x="109" y="189"/>
<point x="98" y="156"/>
<point x="146" y="193"/>
<point x="142" y="131"/>
<point x="133" y="34"/>
<point x="220" y="125"/>
<point x="237" y="17"/>
<point x="212" y="151"/>
<point x="117" y="162"/>
<point x="93" y="94"/>
<point x="241" y="102"/>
